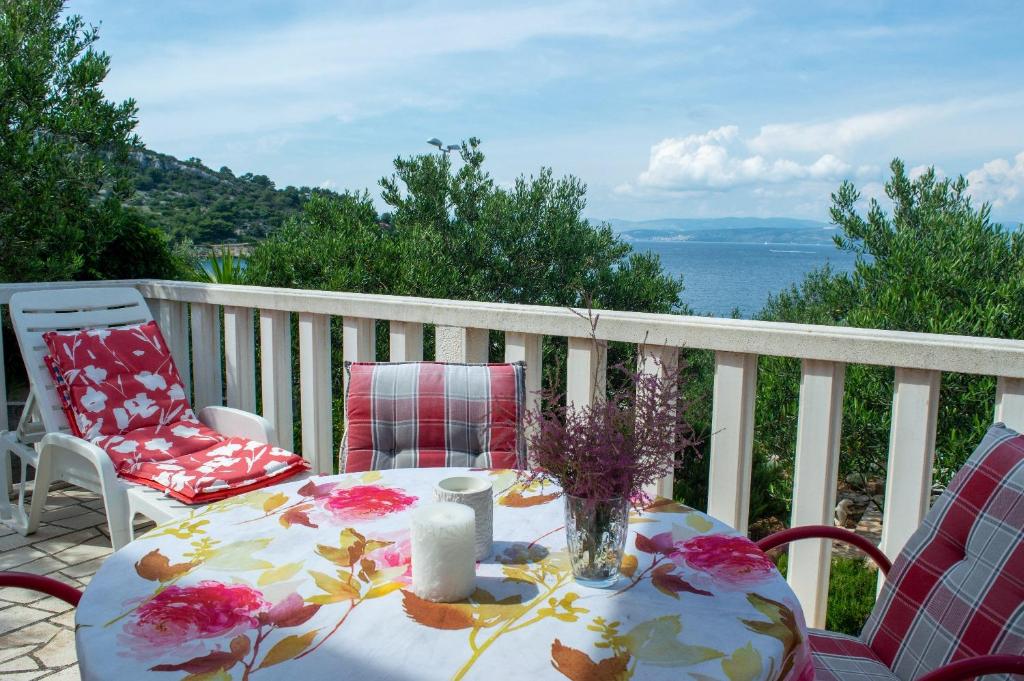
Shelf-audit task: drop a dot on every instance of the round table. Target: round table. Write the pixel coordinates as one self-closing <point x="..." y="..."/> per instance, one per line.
<point x="310" y="580"/>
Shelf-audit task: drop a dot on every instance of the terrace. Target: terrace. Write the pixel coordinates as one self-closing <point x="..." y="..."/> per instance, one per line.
<point x="234" y="347"/>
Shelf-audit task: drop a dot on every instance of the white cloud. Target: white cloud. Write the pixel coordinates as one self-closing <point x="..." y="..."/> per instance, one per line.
<point x="998" y="181"/>
<point x="717" y="160"/>
<point x="837" y="134"/>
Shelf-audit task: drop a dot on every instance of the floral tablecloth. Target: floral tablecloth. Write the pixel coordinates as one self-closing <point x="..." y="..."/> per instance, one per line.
<point x="310" y="580"/>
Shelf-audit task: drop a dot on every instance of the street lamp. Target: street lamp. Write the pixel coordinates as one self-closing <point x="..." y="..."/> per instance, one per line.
<point x="434" y="142"/>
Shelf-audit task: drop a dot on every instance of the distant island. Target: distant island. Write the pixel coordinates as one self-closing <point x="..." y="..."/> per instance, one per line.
<point x="726" y="230"/>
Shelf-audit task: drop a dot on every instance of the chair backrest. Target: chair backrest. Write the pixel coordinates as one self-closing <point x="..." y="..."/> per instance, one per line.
<point x="424" y="414"/>
<point x="957" y="588"/>
<point x="33" y="313"/>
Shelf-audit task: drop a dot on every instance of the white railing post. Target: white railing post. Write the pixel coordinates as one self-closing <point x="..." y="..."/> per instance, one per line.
<point x="276" y="373"/>
<point x="814" y="482"/>
<point x="4" y="425"/>
<point x="908" y="480"/>
<point x="172" y="318"/>
<point x="206" y="366"/>
<point x="359" y="339"/>
<point x="663" y="360"/>
<point x="587" y="369"/>
<point x="315" y="391"/>
<point x="406" y="341"/>
<point x="527" y="347"/>
<point x="732" y="438"/>
<point x="240" y="358"/>
<point x="461" y="344"/>
<point x="1010" y="402"/>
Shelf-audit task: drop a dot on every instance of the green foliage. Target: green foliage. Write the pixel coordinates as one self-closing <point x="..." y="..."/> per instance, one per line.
<point x="851" y="593"/>
<point x="225" y="268"/>
<point x="935" y="264"/>
<point x="63" y="150"/>
<point x="188" y="200"/>
<point x="453" y="233"/>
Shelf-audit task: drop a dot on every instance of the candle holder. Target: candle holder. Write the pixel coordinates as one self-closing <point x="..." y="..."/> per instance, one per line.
<point x="478" y="494"/>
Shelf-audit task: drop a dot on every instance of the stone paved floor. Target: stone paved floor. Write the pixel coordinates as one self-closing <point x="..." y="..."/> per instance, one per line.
<point x="37" y="639"/>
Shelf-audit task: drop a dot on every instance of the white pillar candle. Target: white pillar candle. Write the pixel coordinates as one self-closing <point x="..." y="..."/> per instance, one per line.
<point x="443" y="564"/>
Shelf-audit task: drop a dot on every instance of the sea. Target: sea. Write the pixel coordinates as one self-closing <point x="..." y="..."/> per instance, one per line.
<point x="721" y="277"/>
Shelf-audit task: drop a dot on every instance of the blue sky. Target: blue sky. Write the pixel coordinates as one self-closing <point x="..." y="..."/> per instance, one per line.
<point x="665" y="109"/>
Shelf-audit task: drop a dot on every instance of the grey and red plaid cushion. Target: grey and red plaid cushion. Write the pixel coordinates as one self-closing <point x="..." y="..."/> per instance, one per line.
<point x="957" y="588"/>
<point x="429" y="414"/>
<point x="838" y="657"/>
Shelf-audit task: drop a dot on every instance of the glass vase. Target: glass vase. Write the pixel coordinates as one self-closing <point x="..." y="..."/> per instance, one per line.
<point x="596" y="533"/>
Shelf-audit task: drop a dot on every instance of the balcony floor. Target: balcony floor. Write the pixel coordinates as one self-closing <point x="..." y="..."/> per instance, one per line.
<point x="37" y="633"/>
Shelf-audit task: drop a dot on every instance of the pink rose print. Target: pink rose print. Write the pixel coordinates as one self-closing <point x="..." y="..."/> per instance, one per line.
<point x="365" y="502"/>
<point x="179" y="615"/>
<point x="731" y="560"/>
<point x="395" y="554"/>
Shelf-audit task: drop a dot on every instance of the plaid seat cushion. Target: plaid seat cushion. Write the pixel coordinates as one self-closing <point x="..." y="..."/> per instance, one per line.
<point x="121" y="391"/>
<point x="838" y="657"/>
<point x="428" y="414"/>
<point x="957" y="588"/>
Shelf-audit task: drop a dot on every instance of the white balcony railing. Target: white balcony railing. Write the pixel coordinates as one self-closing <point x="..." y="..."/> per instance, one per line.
<point x="189" y="315"/>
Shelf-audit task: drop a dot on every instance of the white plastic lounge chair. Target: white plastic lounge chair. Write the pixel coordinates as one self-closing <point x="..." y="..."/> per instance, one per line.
<point x="43" y="439"/>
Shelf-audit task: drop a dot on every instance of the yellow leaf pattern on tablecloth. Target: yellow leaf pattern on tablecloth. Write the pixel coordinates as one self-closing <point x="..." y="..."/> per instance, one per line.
<point x="743" y="665"/>
<point x="287" y="648"/>
<point x="279" y="574"/>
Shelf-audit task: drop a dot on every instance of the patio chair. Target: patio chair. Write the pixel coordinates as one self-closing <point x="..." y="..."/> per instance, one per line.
<point x="427" y="414"/>
<point x="145" y="452"/>
<point x="952" y="604"/>
<point x="46" y="585"/>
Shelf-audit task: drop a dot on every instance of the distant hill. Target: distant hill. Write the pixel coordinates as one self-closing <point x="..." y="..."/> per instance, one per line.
<point x="694" y="224"/>
<point x="188" y="199"/>
<point x="728" y="230"/>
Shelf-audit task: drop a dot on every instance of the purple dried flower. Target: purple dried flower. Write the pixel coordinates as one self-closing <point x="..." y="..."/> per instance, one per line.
<point x="617" y="446"/>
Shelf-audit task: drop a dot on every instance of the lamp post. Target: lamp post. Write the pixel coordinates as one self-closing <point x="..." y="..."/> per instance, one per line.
<point x="434" y="142"/>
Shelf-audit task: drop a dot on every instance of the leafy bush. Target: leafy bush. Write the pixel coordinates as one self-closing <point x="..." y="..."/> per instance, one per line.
<point x="934" y="264"/>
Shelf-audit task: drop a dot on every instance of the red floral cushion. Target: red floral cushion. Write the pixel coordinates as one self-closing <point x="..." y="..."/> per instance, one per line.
<point x="121" y="391"/>
<point x="196" y="464"/>
<point x="115" y="380"/>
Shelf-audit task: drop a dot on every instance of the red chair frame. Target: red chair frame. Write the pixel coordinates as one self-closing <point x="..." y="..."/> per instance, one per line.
<point x="784" y="537"/>
<point x="46" y="585"/>
<point x="954" y="671"/>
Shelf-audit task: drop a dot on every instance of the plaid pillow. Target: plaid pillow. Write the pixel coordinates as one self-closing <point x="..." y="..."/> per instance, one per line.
<point x="429" y="414"/>
<point x="957" y="588"/>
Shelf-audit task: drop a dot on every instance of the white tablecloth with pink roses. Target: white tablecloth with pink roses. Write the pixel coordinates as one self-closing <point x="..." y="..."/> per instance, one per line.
<point x="310" y="580"/>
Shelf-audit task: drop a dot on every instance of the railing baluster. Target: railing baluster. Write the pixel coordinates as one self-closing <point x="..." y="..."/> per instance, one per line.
<point x="461" y="344"/>
<point x="587" y="371"/>
<point x="660" y="359"/>
<point x="732" y="437"/>
<point x="240" y="358"/>
<point x="206" y="367"/>
<point x="527" y="347"/>
<point x="172" y="318"/>
<point x="359" y="339"/>
<point x="315" y="391"/>
<point x="1010" y="402"/>
<point x="908" y="480"/>
<point x="4" y="424"/>
<point x="814" y="482"/>
<point x="276" y="373"/>
<point x="406" y="341"/>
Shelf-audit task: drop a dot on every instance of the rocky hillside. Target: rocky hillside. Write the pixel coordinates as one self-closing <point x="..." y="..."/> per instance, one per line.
<point x="188" y="199"/>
